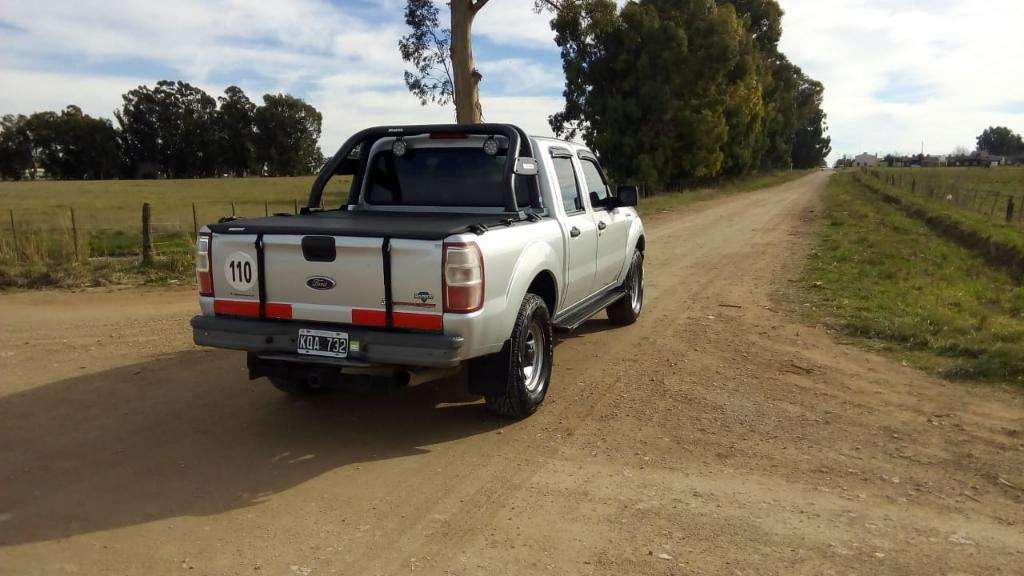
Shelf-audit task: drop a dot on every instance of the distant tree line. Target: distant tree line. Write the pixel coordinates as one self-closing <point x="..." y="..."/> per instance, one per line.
<point x="668" y="91"/>
<point x="172" y="130"/>
<point x="1001" y="141"/>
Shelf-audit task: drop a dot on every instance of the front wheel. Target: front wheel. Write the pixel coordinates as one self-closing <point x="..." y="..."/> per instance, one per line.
<point x="519" y="374"/>
<point x="626" y="310"/>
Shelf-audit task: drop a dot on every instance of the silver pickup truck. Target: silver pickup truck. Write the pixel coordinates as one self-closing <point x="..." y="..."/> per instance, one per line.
<point x="448" y="245"/>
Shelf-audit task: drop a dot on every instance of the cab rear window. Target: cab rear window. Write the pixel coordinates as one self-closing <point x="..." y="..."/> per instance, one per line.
<point x="439" y="177"/>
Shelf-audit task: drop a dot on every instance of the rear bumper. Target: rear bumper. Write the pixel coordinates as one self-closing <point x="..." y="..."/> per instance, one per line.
<point x="277" y="340"/>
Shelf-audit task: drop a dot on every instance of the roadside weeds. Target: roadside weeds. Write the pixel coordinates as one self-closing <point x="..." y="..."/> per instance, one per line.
<point x="892" y="283"/>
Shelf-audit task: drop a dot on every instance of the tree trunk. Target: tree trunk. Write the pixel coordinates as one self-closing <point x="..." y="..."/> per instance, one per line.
<point x="465" y="76"/>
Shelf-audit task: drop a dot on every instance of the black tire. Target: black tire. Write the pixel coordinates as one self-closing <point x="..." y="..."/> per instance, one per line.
<point x="292" y="386"/>
<point x="517" y="378"/>
<point x="625" y="311"/>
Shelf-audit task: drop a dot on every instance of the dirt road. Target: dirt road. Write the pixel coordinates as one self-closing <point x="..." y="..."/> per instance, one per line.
<point x="705" y="439"/>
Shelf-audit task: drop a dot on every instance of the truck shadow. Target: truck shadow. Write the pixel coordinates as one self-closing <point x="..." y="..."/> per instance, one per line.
<point x="189" y="435"/>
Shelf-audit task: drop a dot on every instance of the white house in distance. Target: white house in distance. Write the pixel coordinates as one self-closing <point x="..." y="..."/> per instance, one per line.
<point x="865" y="161"/>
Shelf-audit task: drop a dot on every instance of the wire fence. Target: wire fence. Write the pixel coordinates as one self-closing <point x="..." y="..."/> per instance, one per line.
<point x="998" y="206"/>
<point x="79" y="233"/>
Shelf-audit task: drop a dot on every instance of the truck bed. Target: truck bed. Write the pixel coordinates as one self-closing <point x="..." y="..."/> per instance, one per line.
<point x="366" y="224"/>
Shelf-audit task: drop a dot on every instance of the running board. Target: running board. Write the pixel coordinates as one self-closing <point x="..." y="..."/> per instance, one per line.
<point x="574" y="318"/>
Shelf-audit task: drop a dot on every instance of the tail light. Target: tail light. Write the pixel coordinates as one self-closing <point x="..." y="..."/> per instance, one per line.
<point x="204" y="259"/>
<point x="463" y="277"/>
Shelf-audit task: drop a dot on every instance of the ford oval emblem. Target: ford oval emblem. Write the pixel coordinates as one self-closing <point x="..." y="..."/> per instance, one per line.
<point x="320" y="283"/>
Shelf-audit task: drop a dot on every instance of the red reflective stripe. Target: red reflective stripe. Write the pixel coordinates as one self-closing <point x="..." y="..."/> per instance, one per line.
<point x="250" y="308"/>
<point x="236" y="307"/>
<point x="362" y="317"/>
<point x="417" y="321"/>
<point x="279" y="311"/>
<point x="369" y="317"/>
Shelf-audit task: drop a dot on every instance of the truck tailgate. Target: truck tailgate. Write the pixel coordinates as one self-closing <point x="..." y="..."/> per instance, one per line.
<point x="345" y="285"/>
<point x="364" y="281"/>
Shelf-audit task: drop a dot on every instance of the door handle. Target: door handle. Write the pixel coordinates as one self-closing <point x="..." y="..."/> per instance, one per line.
<point x="575" y="232"/>
<point x="601" y="225"/>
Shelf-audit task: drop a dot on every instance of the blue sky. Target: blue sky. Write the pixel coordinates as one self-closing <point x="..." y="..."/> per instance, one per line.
<point x="897" y="72"/>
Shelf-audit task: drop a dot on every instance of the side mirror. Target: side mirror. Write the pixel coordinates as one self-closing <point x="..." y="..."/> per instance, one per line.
<point x="526" y="166"/>
<point x="628" y="195"/>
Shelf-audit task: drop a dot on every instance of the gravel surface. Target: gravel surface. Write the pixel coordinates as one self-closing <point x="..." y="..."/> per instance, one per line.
<point x="718" y="435"/>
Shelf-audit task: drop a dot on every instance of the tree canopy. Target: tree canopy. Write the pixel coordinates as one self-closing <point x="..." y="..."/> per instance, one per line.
<point x="671" y="90"/>
<point x="15" y="147"/>
<point x="1000" y="141"/>
<point x="73" y="145"/>
<point x="287" y="133"/>
<point x="170" y="130"/>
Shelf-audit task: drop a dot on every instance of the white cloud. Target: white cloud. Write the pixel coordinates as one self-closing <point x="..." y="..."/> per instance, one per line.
<point x="900" y="73"/>
<point x="514" y="22"/>
<point x="346" y="66"/>
<point x="896" y="72"/>
<point x="25" y="92"/>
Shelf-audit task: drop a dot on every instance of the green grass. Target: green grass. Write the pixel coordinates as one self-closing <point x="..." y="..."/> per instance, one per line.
<point x="117" y="204"/>
<point x="675" y="200"/>
<point x="993" y="233"/>
<point x="108" y="218"/>
<point x="982" y="193"/>
<point x="888" y="280"/>
<point x="1004" y="179"/>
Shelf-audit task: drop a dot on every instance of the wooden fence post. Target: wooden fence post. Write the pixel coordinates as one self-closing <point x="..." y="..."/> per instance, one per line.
<point x="195" y="221"/>
<point x="147" y="240"/>
<point x="74" y="231"/>
<point x="1009" y="210"/>
<point x="296" y="202"/>
<point x="14" y="233"/>
<point x="232" y="209"/>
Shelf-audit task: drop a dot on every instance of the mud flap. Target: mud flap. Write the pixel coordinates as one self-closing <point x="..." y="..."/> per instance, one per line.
<point x="488" y="374"/>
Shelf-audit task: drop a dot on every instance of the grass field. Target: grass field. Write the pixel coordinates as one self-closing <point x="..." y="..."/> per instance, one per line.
<point x="986" y="192"/>
<point x="890" y="281"/>
<point x="955" y="214"/>
<point x="103" y="246"/>
<point x="117" y="204"/>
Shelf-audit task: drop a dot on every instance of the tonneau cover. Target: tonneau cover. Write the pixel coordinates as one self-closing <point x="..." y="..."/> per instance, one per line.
<point x="365" y="223"/>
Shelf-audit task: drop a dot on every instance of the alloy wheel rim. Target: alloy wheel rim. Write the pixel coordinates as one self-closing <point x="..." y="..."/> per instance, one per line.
<point x="532" y="357"/>
<point x="636" y="289"/>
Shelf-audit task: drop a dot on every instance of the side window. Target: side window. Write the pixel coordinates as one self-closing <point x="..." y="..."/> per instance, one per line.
<point x="597" y="188"/>
<point x="567" y="185"/>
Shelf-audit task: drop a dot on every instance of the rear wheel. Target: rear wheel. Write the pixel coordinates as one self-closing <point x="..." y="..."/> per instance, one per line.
<point x="518" y="376"/>
<point x="627" y="310"/>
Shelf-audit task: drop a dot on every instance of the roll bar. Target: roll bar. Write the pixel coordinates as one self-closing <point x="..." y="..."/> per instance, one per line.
<point x="515" y="135"/>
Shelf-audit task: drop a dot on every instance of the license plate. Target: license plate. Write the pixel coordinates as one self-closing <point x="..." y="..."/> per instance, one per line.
<point x="323" y="343"/>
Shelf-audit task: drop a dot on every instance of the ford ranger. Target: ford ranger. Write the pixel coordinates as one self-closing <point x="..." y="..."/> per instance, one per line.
<point x="447" y="245"/>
